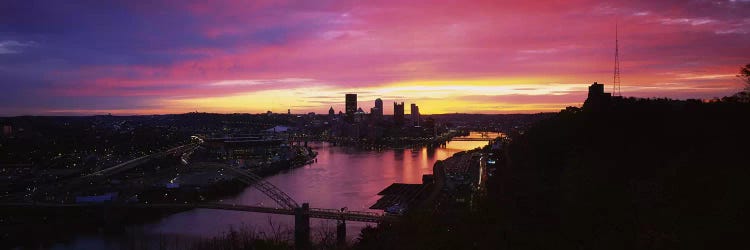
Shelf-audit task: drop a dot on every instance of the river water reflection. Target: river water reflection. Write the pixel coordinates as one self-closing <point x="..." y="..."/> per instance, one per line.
<point x="341" y="177"/>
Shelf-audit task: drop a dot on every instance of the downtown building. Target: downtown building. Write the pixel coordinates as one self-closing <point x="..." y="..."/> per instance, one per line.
<point x="398" y="113"/>
<point x="377" y="111"/>
<point x="415" y="114"/>
<point x="351" y="106"/>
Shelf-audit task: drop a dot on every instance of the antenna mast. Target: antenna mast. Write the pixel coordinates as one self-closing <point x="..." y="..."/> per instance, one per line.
<point x="616" y="79"/>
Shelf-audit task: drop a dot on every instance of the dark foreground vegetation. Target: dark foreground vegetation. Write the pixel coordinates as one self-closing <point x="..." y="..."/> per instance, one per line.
<point x="631" y="174"/>
<point x="640" y="174"/>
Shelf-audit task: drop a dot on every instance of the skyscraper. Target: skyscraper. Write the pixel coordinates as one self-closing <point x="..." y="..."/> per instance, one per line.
<point x="377" y="111"/>
<point x="331" y="113"/>
<point x="415" y="114"/>
<point x="398" y="113"/>
<point x="351" y="106"/>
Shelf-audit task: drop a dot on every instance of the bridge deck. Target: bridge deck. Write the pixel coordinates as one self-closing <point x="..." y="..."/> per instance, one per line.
<point x="319" y="213"/>
<point x="137" y="161"/>
<point x="472" y="139"/>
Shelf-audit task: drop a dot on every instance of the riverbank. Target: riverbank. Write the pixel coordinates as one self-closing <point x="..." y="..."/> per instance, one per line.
<point x="341" y="177"/>
<point x="223" y="186"/>
<point x="44" y="227"/>
<point x="396" y="143"/>
<point x="444" y="219"/>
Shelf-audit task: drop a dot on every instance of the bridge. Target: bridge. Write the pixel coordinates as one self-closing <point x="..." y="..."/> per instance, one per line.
<point x="472" y="139"/>
<point x="288" y="206"/>
<point x="140" y="160"/>
<point x="484" y="136"/>
<point x="119" y="168"/>
<point x="318" y="213"/>
<point x="301" y="215"/>
<point x="256" y="181"/>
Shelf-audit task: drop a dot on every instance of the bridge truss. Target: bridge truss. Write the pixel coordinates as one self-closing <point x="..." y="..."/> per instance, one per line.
<point x="249" y="178"/>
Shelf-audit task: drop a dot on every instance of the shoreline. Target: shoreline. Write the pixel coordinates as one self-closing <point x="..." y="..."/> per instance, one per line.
<point x="21" y="227"/>
<point x="109" y="230"/>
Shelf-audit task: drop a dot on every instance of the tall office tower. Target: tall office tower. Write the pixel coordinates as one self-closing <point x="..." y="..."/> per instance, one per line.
<point x="398" y="113"/>
<point x="415" y="114"/>
<point x="331" y="113"/>
<point x="351" y="106"/>
<point x="377" y="111"/>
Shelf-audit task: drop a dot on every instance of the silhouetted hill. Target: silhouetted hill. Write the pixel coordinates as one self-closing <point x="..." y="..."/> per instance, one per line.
<point x="636" y="174"/>
<point x="627" y="174"/>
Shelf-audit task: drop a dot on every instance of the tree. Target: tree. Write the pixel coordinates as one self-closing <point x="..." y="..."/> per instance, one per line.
<point x="744" y="95"/>
<point x="745" y="76"/>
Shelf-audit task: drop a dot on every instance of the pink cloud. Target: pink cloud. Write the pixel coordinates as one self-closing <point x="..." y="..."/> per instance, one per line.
<point x="374" y="43"/>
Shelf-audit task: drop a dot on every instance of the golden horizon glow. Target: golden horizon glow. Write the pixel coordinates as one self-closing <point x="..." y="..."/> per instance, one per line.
<point x="433" y="97"/>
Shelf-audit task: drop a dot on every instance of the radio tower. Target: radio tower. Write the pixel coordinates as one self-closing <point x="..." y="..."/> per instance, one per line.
<point x="616" y="79"/>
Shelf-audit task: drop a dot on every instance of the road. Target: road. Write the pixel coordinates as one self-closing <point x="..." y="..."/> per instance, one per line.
<point x="137" y="161"/>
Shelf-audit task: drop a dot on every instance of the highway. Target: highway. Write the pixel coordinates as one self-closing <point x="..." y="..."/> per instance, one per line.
<point x="482" y="178"/>
<point x="137" y="161"/>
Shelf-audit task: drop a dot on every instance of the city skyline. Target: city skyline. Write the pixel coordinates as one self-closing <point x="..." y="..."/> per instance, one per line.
<point x="159" y="58"/>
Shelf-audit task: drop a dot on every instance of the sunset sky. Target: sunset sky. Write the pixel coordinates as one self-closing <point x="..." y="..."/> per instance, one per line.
<point x="158" y="57"/>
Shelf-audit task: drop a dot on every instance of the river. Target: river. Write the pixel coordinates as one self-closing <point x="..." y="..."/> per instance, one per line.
<point x="341" y="177"/>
